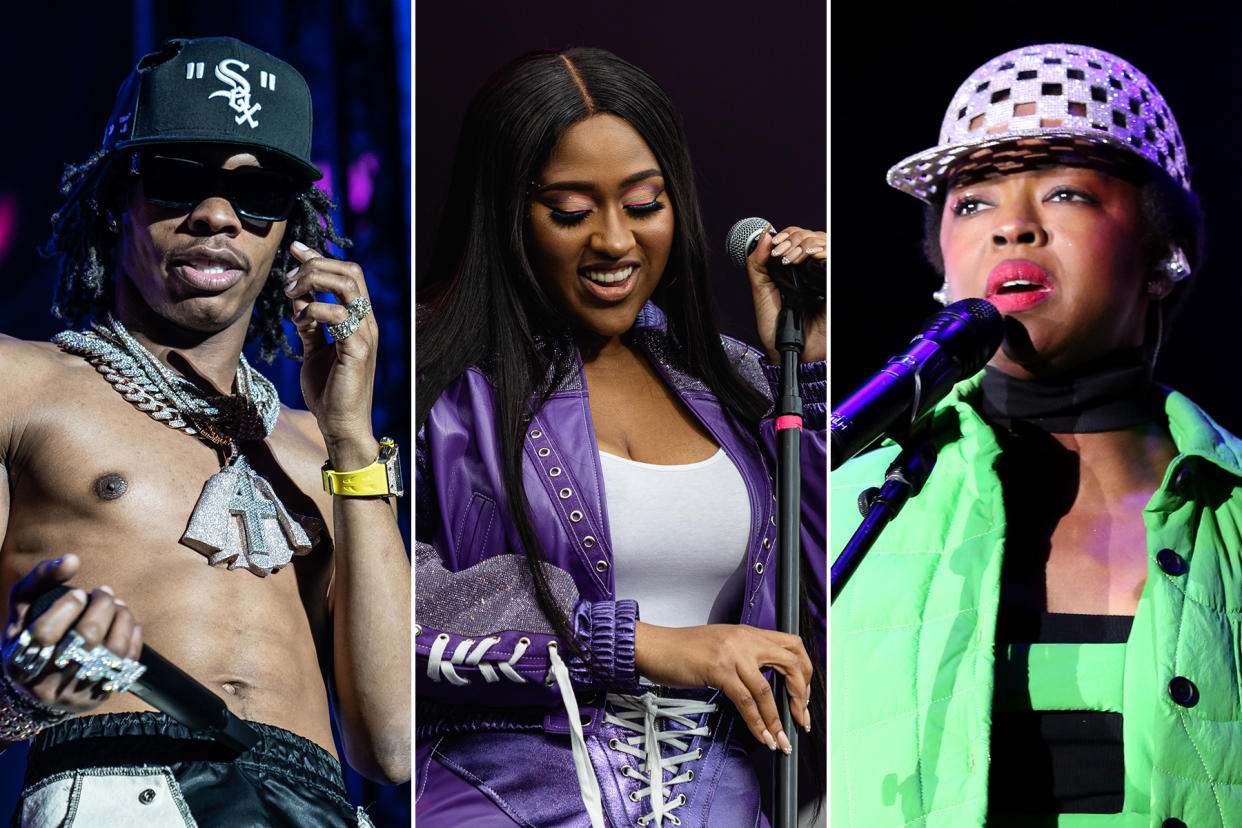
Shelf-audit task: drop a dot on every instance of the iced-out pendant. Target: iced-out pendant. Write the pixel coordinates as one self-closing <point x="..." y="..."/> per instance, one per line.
<point x="239" y="521"/>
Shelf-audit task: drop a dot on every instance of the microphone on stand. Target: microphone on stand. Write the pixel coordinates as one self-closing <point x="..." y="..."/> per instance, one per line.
<point x="953" y="344"/>
<point x="807" y="279"/>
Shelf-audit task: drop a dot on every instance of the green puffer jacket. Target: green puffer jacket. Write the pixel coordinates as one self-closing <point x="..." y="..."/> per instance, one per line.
<point x="914" y="629"/>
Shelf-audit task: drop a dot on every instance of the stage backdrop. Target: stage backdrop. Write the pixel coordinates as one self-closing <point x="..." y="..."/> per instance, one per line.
<point x="891" y="82"/>
<point x="64" y="63"/>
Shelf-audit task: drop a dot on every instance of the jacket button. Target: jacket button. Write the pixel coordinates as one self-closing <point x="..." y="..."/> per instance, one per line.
<point x="1172" y="822"/>
<point x="1171" y="562"/>
<point x="1180" y="482"/>
<point x="1183" y="691"/>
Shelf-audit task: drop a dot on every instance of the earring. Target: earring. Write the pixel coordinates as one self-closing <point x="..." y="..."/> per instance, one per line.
<point x="113" y="224"/>
<point x="942" y="295"/>
<point x="1175" y="265"/>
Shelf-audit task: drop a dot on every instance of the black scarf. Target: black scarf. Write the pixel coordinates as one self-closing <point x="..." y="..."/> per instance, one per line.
<point x="1114" y="393"/>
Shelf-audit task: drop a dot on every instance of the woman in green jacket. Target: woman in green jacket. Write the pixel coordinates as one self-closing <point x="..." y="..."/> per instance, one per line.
<point x="1050" y="633"/>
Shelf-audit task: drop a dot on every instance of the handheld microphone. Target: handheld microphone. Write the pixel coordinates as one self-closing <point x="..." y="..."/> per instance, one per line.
<point x="808" y="279"/>
<point x="170" y="690"/>
<point x="953" y="344"/>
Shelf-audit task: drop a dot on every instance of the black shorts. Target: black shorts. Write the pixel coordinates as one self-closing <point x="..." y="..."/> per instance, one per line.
<point x="140" y="769"/>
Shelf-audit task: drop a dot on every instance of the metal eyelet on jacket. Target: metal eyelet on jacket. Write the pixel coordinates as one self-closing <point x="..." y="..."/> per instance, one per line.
<point x="588" y="541"/>
<point x="575" y="516"/>
<point x="535" y="433"/>
<point x="565" y="493"/>
<point x="544" y="452"/>
<point x="601" y="566"/>
<point x="759" y="567"/>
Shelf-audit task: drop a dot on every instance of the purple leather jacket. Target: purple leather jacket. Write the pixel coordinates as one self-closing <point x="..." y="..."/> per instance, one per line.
<point x="481" y="642"/>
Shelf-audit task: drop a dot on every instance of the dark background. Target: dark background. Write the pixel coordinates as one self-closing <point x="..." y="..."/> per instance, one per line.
<point x="891" y="82"/>
<point x="63" y="63"/>
<point x="749" y="81"/>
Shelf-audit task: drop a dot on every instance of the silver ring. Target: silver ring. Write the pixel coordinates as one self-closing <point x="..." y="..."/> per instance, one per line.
<point x="25" y="657"/>
<point x="359" y="309"/>
<point x="98" y="663"/>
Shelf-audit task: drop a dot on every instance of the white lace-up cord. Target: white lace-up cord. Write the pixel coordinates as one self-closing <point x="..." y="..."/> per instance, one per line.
<point x="588" y="785"/>
<point x="439" y="667"/>
<point x="641" y="715"/>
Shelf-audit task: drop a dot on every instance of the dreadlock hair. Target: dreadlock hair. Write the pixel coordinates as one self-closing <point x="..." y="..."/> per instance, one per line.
<point x="481" y="304"/>
<point x="84" y="243"/>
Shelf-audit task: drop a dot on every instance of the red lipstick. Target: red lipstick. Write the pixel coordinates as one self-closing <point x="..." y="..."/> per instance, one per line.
<point x="1017" y="285"/>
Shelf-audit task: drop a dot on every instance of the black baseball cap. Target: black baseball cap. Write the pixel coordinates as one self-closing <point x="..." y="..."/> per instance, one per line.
<point x="215" y="90"/>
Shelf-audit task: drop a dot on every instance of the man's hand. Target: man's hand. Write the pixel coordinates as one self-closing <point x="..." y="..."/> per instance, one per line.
<point x="99" y="618"/>
<point x="337" y="377"/>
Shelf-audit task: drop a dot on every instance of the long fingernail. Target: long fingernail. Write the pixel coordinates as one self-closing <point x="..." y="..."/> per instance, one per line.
<point x="784" y="740"/>
<point x="778" y="249"/>
<point x="779" y="237"/>
<point x="768" y="740"/>
<point x="292" y="275"/>
<point x="291" y="288"/>
<point x="301" y="248"/>
<point x="784" y="260"/>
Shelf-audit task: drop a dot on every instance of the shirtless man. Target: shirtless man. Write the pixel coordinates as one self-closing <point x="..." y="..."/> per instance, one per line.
<point x="194" y="224"/>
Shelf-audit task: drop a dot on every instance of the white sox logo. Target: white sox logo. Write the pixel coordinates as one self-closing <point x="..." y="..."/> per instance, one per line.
<point x="238" y="93"/>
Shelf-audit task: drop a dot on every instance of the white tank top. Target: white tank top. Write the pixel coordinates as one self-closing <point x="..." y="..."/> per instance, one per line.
<point x="679" y="537"/>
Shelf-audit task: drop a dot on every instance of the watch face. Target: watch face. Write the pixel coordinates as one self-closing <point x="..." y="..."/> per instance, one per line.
<point x="392" y="465"/>
<point x="395" y="485"/>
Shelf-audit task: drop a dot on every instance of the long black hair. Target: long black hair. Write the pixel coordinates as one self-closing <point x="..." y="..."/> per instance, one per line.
<point x="480" y="303"/>
<point x="84" y="240"/>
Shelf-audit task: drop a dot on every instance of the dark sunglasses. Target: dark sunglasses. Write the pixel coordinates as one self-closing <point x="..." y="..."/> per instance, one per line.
<point x="180" y="183"/>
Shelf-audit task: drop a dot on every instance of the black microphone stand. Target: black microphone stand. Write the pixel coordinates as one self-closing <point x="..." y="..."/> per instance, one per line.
<point x="903" y="479"/>
<point x="789" y="342"/>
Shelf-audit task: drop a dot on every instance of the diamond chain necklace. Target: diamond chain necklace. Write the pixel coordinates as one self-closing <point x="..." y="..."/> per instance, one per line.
<point x="238" y="520"/>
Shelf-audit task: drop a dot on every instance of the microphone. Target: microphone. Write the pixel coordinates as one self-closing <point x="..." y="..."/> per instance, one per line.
<point x="954" y="343"/>
<point x="808" y="279"/>
<point x="170" y="690"/>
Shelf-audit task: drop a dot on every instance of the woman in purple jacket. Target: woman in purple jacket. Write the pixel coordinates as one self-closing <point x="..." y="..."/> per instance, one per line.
<point x="589" y="444"/>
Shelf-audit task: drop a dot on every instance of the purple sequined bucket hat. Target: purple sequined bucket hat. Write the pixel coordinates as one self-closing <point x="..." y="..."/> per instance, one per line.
<point x="1054" y="94"/>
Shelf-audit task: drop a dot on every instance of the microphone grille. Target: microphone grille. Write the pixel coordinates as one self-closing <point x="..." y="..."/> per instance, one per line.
<point x="743" y="237"/>
<point x="970" y="329"/>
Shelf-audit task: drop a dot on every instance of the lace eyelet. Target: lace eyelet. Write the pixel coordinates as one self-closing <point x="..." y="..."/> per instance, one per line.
<point x="555" y="471"/>
<point x="418" y="630"/>
<point x="689" y="776"/>
<point x="634" y="798"/>
<point x="681" y="799"/>
<point x="524" y="641"/>
<point x="641" y="820"/>
<point x="565" y="493"/>
<point x="673" y="819"/>
<point x="575" y="516"/>
<point x="626" y="770"/>
<point x="536" y="433"/>
<point x="612" y="745"/>
<point x="700" y="754"/>
<point x="442" y="637"/>
<point x="759" y="568"/>
<point x="544" y="452"/>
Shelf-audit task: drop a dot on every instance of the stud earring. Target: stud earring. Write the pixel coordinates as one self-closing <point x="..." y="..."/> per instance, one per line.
<point x="1175" y="265"/>
<point x="942" y="295"/>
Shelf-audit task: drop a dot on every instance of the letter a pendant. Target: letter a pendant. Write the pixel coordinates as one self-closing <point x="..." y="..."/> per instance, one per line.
<point x="239" y="521"/>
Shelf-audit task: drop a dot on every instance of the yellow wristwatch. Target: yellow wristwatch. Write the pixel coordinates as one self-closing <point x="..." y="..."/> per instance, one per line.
<point x="383" y="477"/>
